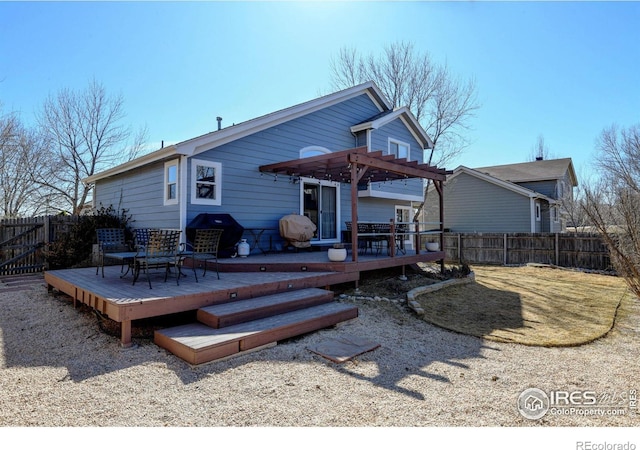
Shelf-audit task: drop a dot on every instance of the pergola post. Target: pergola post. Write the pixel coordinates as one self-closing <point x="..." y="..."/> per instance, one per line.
<point x="439" y="184"/>
<point x="354" y="212"/>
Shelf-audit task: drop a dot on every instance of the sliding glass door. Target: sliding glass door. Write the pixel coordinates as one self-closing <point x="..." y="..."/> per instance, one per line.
<point x="320" y="203"/>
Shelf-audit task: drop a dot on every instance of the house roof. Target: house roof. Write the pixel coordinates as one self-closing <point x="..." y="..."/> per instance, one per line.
<point x="406" y="116"/>
<point x="549" y="169"/>
<point x="217" y="138"/>
<point x="478" y="173"/>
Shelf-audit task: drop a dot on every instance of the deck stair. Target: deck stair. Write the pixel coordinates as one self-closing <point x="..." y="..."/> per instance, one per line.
<point x="231" y="328"/>
<point x="226" y="314"/>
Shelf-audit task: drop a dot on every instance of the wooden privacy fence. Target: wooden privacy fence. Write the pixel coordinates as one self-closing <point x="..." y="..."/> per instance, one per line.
<point x="583" y="250"/>
<point x="23" y="240"/>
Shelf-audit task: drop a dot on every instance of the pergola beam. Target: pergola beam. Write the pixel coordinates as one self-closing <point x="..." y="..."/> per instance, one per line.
<point x="354" y="165"/>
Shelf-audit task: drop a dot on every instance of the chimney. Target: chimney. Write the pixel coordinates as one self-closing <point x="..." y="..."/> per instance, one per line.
<point x="219" y="119"/>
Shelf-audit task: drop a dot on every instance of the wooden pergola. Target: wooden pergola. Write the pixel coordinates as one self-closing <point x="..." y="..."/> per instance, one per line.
<point x="359" y="166"/>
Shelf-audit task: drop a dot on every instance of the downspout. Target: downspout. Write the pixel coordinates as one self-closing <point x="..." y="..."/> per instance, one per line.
<point x="533" y="214"/>
<point x="184" y="160"/>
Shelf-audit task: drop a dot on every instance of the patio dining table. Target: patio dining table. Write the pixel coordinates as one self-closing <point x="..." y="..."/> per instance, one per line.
<point x="377" y="235"/>
<point x="129" y="259"/>
<point x="125" y="258"/>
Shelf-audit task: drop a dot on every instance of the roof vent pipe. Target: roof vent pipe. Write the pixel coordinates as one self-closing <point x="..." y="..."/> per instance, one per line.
<point x="219" y="119"/>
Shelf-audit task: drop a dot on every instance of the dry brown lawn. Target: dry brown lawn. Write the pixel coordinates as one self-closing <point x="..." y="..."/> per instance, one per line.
<point x="530" y="305"/>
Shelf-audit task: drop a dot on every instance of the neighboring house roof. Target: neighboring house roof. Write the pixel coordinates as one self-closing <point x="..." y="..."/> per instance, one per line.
<point x="549" y="169"/>
<point x="478" y="173"/>
<point x="217" y="138"/>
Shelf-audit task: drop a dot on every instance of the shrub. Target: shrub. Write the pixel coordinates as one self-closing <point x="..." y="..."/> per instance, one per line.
<point x="74" y="248"/>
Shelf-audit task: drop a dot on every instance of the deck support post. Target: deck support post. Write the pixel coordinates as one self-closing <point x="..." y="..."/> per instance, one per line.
<point x="125" y="333"/>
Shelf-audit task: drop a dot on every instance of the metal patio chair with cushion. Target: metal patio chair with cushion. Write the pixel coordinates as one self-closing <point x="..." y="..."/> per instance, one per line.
<point x="205" y="248"/>
<point x="110" y="240"/>
<point x="162" y="251"/>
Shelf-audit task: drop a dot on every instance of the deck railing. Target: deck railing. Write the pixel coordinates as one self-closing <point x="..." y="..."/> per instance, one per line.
<point x="399" y="232"/>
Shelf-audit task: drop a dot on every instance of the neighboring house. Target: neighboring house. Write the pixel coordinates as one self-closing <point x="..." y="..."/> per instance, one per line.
<point x="512" y="198"/>
<point x="219" y="172"/>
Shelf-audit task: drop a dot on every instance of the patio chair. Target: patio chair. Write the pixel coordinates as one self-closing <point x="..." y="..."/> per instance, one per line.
<point x="401" y="234"/>
<point x="205" y="248"/>
<point x="381" y="236"/>
<point x="364" y="242"/>
<point x="142" y="236"/>
<point x="162" y="251"/>
<point x="110" y="240"/>
<point x="365" y="237"/>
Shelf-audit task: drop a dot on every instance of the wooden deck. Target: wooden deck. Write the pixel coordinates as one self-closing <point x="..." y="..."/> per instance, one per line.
<point x="253" y="277"/>
<point x="314" y="261"/>
<point x="118" y="299"/>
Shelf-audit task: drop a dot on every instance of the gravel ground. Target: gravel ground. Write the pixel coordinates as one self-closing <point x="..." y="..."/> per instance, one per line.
<point x="60" y="370"/>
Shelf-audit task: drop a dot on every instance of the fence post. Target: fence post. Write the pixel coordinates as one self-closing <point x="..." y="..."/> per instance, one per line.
<point x="504" y="249"/>
<point x="459" y="248"/>
<point x="47" y="240"/>
<point x="557" y="250"/>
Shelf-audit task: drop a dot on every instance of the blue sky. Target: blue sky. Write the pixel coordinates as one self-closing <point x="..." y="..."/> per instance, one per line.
<point x="565" y="70"/>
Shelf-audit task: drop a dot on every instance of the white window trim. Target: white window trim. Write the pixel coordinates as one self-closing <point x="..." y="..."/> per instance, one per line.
<point x="171" y="201"/>
<point x="313" y="150"/>
<point x="398" y="142"/>
<point x="205" y="201"/>
<point x="538" y="212"/>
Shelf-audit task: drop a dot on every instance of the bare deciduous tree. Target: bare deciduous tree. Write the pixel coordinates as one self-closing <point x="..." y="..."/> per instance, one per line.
<point x="441" y="102"/>
<point x="572" y="206"/>
<point x="21" y="157"/>
<point x="613" y="203"/>
<point x="84" y="130"/>
<point x="540" y="150"/>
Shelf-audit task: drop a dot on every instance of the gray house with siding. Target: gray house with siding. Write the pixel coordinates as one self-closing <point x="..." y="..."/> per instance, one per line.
<point x="512" y="198"/>
<point x="218" y="172"/>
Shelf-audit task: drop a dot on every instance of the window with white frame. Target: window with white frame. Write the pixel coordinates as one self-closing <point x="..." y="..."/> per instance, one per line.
<point x="538" y="212"/>
<point x="399" y="149"/>
<point x="206" y="182"/>
<point x="171" y="182"/>
<point x="556" y="213"/>
<point x="313" y="150"/>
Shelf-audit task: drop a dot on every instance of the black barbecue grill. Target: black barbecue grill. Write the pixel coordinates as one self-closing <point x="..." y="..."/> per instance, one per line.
<point x="231" y="234"/>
